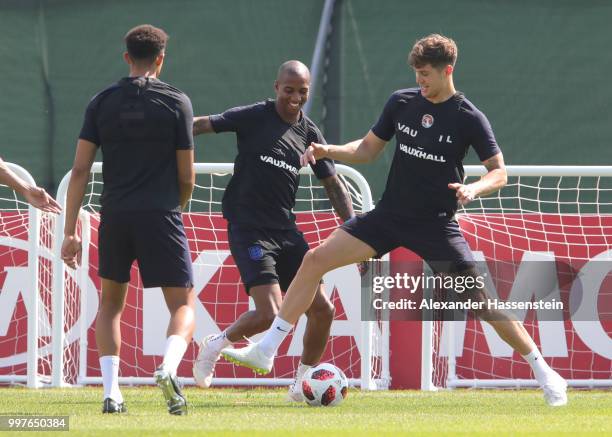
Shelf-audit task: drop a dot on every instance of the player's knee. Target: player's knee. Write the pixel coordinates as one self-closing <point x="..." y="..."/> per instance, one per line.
<point x="310" y="259"/>
<point x="111" y="307"/>
<point x="314" y="261"/>
<point x="265" y="318"/>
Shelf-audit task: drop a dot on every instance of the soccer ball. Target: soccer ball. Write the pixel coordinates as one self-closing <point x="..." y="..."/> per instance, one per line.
<point x="324" y="385"/>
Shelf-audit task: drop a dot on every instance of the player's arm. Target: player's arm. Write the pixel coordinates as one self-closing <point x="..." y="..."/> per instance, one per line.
<point x="36" y="196"/>
<point x="359" y="151"/>
<point x="338" y="196"/>
<point x="491" y="182"/>
<point x="363" y="150"/>
<point x="83" y="160"/>
<point x="186" y="175"/>
<point x="184" y="151"/>
<point x="232" y="120"/>
<point x="202" y="125"/>
<point x="7" y="177"/>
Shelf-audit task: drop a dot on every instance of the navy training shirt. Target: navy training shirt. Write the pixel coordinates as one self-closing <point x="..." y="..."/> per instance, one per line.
<point x="262" y="191"/>
<point x="432" y="141"/>
<point x="139" y="123"/>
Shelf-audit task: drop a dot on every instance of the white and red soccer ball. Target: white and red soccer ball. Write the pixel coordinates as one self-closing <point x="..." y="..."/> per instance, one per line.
<point x="324" y="385"/>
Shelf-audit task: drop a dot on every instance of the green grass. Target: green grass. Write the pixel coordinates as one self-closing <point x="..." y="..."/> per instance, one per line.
<point x="265" y="412"/>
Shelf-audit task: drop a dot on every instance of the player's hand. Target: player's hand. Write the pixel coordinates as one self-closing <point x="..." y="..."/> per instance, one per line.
<point x="465" y="193"/>
<point x="38" y="198"/>
<point x="71" y="251"/>
<point x="313" y="152"/>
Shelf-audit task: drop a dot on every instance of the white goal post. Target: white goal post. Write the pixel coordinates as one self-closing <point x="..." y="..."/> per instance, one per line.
<point x="20" y="227"/>
<point x="545" y="213"/>
<point x="77" y="294"/>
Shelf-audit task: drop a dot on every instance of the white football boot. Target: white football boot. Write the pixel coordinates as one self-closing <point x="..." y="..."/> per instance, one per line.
<point x="204" y="365"/>
<point x="295" y="391"/>
<point x="555" y="390"/>
<point x="249" y="356"/>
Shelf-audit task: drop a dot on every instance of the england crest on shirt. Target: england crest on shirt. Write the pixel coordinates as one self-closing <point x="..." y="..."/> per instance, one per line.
<point x="427" y="121"/>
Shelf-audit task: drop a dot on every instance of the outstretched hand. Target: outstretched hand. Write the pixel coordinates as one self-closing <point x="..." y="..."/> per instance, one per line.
<point x="38" y="198"/>
<point x="465" y="193"/>
<point x="313" y="152"/>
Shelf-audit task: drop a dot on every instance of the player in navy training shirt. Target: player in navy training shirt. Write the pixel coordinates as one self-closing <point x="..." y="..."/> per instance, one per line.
<point x="264" y="240"/>
<point x="144" y="129"/>
<point x="433" y="126"/>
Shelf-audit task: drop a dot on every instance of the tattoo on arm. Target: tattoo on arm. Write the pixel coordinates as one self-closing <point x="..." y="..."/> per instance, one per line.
<point x="339" y="197"/>
<point x="202" y="125"/>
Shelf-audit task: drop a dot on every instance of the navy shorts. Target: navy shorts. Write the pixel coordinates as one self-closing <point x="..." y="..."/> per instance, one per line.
<point x="438" y="240"/>
<point x="266" y="256"/>
<point x="156" y="240"/>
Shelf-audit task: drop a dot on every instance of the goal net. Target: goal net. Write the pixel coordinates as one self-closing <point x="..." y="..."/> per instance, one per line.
<point x="359" y="348"/>
<point x="25" y="298"/>
<point x="547" y="225"/>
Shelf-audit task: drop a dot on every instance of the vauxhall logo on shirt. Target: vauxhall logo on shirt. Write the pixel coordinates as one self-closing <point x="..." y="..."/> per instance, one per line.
<point x="413" y="132"/>
<point x="279" y="163"/>
<point x="418" y="151"/>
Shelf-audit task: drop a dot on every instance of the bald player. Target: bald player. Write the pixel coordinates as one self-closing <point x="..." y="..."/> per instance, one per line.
<point x="263" y="237"/>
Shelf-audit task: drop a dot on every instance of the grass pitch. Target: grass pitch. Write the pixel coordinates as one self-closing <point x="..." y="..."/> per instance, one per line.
<point x="265" y="412"/>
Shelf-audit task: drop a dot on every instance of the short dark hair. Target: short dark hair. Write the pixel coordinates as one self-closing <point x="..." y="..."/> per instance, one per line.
<point x="145" y="42"/>
<point x="293" y="68"/>
<point x="435" y="50"/>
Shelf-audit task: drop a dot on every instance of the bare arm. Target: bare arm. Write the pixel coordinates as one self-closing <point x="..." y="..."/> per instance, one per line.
<point x="359" y="151"/>
<point x="496" y="176"/>
<point x="202" y="125"/>
<point x="84" y="158"/>
<point x="491" y="182"/>
<point x="35" y="196"/>
<point x="7" y="177"/>
<point x="186" y="175"/>
<point x="338" y="196"/>
<point x="85" y="155"/>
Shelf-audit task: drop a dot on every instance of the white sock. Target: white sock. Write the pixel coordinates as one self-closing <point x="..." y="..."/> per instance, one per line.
<point x="274" y="336"/>
<point x="540" y="368"/>
<point x="219" y="342"/>
<point x="175" y="349"/>
<point x="301" y="370"/>
<point x="109" y="366"/>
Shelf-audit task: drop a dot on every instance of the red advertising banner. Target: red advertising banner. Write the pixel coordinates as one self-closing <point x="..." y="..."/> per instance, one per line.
<point x="579" y="346"/>
<point x="221" y="299"/>
<point x="576" y="348"/>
